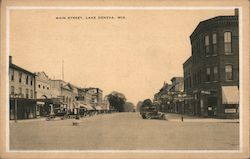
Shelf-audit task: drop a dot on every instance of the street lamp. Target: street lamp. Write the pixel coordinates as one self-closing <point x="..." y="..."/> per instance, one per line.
<point x="16" y="96"/>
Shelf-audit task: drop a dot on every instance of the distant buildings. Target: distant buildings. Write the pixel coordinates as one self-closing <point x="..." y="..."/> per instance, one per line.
<point x="168" y="95"/>
<point x="35" y="94"/>
<point x="211" y="74"/>
<point x="43" y="86"/>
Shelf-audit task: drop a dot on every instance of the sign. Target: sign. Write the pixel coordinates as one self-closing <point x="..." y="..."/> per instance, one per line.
<point x="40" y="103"/>
<point x="209" y="108"/>
<point x="231" y="110"/>
<point x="205" y="92"/>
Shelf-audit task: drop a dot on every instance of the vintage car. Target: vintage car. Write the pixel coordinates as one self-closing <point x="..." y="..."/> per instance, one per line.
<point x="151" y="112"/>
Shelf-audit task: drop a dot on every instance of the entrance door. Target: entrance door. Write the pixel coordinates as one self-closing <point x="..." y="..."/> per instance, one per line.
<point x="212" y="106"/>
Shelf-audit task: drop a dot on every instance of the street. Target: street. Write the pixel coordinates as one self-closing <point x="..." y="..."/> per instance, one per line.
<point x="124" y="131"/>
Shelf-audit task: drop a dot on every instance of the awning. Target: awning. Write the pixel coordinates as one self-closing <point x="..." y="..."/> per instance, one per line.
<point x="88" y="107"/>
<point x="98" y="108"/>
<point x="230" y="95"/>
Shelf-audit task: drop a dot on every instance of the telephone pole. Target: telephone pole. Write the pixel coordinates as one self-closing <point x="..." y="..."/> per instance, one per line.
<point x="63" y="70"/>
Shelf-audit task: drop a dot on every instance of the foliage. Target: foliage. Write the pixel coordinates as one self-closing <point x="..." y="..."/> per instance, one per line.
<point x="128" y="107"/>
<point x="117" y="100"/>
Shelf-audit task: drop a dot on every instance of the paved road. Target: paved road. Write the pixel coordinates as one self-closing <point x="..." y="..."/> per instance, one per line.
<point x="124" y="131"/>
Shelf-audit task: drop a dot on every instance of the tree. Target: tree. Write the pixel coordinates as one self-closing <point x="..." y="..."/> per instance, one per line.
<point x="147" y="102"/>
<point x="138" y="106"/>
<point x="128" y="107"/>
<point x="117" y="100"/>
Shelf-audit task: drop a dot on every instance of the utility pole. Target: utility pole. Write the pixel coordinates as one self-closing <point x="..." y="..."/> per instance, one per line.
<point x="15" y="109"/>
<point x="63" y="70"/>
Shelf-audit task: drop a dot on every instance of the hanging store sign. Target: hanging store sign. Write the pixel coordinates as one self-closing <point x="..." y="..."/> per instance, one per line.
<point x="231" y="110"/>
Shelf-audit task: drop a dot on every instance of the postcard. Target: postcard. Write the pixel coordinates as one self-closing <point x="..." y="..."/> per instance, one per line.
<point x="124" y="79"/>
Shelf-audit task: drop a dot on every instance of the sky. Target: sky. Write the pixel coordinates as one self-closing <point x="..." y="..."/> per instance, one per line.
<point x="133" y="55"/>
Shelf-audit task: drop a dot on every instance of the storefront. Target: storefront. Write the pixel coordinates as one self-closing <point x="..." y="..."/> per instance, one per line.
<point x="25" y="108"/>
<point x="230" y="101"/>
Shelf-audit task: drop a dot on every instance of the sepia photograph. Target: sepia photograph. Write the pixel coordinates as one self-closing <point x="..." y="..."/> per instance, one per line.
<point x="125" y="79"/>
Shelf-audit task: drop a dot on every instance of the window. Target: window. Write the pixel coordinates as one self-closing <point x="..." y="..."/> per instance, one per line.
<point x="27" y="79"/>
<point x="229" y="72"/>
<point x="20" y="91"/>
<point x="200" y="77"/>
<point x="228" y="43"/>
<point x="214" y="43"/>
<point x="207" y="44"/>
<point x="208" y="73"/>
<point x="27" y="93"/>
<point x="31" y="94"/>
<point x="20" y="77"/>
<point x="43" y="87"/>
<point x="215" y="73"/>
<point x="39" y="86"/>
<point x="12" y="90"/>
<point x="47" y="88"/>
<point x="12" y="74"/>
<point x="31" y="82"/>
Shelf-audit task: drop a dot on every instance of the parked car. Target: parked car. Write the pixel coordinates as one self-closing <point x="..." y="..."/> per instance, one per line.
<point x="151" y="112"/>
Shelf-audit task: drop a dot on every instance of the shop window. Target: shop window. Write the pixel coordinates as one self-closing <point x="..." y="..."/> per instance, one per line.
<point x="228" y="43"/>
<point x="229" y="72"/>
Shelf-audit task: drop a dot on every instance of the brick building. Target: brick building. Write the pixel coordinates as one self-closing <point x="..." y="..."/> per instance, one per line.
<point x="22" y="91"/>
<point x="211" y="74"/>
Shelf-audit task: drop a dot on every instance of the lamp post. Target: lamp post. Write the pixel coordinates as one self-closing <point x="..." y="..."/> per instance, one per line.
<point x="15" y="96"/>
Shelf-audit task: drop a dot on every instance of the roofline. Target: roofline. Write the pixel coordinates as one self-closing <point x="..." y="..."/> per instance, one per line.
<point x="211" y="20"/>
<point x="11" y="65"/>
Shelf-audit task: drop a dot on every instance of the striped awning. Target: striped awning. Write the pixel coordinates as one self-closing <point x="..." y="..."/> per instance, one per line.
<point x="230" y="95"/>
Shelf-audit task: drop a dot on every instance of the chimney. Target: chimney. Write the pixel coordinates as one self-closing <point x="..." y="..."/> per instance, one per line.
<point x="10" y="59"/>
<point x="236" y="12"/>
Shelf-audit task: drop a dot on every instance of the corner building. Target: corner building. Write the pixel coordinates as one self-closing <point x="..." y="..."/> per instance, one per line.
<point x="211" y="74"/>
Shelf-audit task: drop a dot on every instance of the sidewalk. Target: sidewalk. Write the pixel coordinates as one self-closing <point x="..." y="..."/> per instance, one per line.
<point x="177" y="118"/>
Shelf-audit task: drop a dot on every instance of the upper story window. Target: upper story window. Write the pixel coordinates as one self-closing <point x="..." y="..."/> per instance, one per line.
<point x="27" y="79"/>
<point x="208" y="74"/>
<point x="27" y="93"/>
<point x="31" y="82"/>
<point x="31" y="94"/>
<point x="207" y="44"/>
<point x="228" y="43"/>
<point x="229" y="72"/>
<point x="20" y="77"/>
<point x="214" y="43"/>
<point x="12" y="74"/>
<point x="12" y="90"/>
<point x="39" y="86"/>
<point x="20" y="91"/>
<point x="215" y="73"/>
